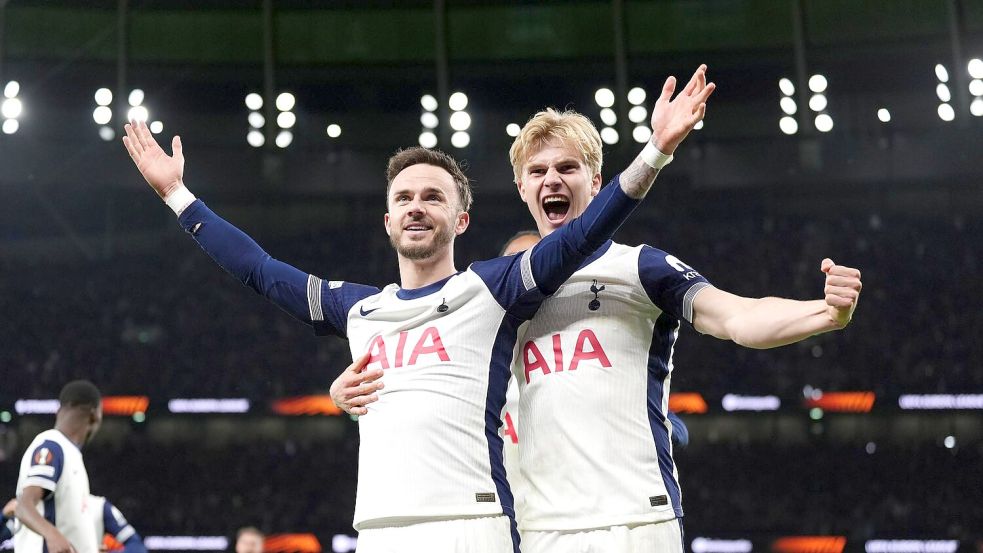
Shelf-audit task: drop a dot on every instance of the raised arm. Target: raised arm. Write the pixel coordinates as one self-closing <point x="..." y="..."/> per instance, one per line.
<point x="771" y="322"/>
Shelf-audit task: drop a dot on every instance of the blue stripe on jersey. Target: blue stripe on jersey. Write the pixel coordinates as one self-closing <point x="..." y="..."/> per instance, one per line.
<point x="49" y="515"/>
<point x="660" y="353"/>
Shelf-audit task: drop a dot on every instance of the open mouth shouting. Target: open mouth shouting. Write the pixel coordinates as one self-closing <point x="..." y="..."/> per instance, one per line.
<point x="556" y="207"/>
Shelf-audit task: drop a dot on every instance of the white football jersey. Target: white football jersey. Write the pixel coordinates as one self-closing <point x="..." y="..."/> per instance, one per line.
<point x="593" y="368"/>
<point x="54" y="463"/>
<point x="510" y="438"/>
<point x="107" y="519"/>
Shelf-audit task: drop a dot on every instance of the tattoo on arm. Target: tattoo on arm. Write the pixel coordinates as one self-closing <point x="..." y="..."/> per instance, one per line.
<point x="637" y="179"/>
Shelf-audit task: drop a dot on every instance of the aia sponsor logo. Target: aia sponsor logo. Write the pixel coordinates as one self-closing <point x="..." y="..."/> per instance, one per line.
<point x="586" y="348"/>
<point x="426" y="347"/>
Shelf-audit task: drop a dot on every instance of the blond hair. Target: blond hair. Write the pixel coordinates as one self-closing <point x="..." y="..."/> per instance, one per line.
<point x="568" y="127"/>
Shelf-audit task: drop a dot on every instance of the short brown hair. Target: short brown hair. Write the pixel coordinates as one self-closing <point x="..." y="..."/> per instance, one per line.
<point x="567" y="126"/>
<point x="418" y="155"/>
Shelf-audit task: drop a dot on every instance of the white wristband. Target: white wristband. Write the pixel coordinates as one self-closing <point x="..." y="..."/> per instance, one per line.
<point x="179" y="200"/>
<point x="653" y="157"/>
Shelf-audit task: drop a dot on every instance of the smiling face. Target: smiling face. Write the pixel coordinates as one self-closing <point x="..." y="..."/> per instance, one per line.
<point x="556" y="184"/>
<point x="424" y="212"/>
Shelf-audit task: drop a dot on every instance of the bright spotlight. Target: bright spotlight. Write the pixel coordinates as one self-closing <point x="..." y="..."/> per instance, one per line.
<point x="698" y="125"/>
<point x="429" y="103"/>
<point x="949" y="442"/>
<point x="286" y="119"/>
<point x="946" y="113"/>
<point x="429" y="120"/>
<point x="157" y="127"/>
<point x="138" y="114"/>
<point x="884" y="115"/>
<point x="428" y="139"/>
<point x="609" y="135"/>
<point x="604" y="97"/>
<point x="136" y="97"/>
<point x="636" y="96"/>
<point x="255" y="139"/>
<point x="254" y="101"/>
<point x="460" y="139"/>
<point x="11" y="108"/>
<point x="102" y="115"/>
<point x="608" y="116"/>
<point x="788" y="125"/>
<point x="942" y="91"/>
<point x="942" y="73"/>
<point x="285" y="102"/>
<point x="458" y="101"/>
<point x="334" y="130"/>
<point x="976" y="108"/>
<point x="104" y="97"/>
<point x="106" y="133"/>
<point x="10" y="126"/>
<point x="460" y="121"/>
<point x="817" y="83"/>
<point x="11" y="90"/>
<point x="512" y="130"/>
<point x="976" y="68"/>
<point x="284" y="138"/>
<point x="976" y="87"/>
<point x="256" y="120"/>
<point x="817" y="102"/>
<point x="641" y="134"/>
<point x="788" y="105"/>
<point x="786" y="86"/>
<point x="637" y="114"/>
<point x="824" y="123"/>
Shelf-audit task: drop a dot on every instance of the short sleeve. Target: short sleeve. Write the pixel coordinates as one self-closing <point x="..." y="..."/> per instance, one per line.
<point x="671" y="284"/>
<point x="115" y="523"/>
<point x="331" y="300"/>
<point x="47" y="462"/>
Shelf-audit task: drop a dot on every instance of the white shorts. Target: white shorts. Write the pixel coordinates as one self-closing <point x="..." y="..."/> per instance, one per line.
<point x="464" y="535"/>
<point x="661" y="537"/>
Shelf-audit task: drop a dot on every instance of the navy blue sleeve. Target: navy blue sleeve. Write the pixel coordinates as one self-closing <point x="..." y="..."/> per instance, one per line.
<point x="330" y="311"/>
<point x="670" y="284"/>
<point x="47" y="462"/>
<point x="6" y="532"/>
<point x="117" y="526"/>
<point x="302" y="295"/>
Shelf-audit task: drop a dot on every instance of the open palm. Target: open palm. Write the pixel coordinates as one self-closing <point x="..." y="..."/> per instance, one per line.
<point x="673" y="119"/>
<point x="164" y="173"/>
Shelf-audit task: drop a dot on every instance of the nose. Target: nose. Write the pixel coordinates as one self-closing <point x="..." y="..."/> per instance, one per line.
<point x="552" y="179"/>
<point x="415" y="208"/>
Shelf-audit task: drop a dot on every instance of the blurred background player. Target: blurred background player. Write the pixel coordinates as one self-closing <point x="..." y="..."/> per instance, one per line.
<point x="53" y="488"/>
<point x="8" y="522"/>
<point x="108" y="521"/>
<point x="249" y="539"/>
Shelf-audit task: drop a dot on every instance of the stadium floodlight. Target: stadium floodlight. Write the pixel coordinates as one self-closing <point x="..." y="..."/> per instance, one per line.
<point x="824" y="123"/>
<point x="816" y="413"/>
<point x="428" y="102"/>
<point x="104" y="97"/>
<point x="139" y="416"/>
<point x="255" y="139"/>
<point x="870" y="448"/>
<point x="641" y="134"/>
<point x="976" y="68"/>
<point x="429" y="120"/>
<point x="513" y="130"/>
<point x="285" y="101"/>
<point x="286" y="119"/>
<point x="949" y="442"/>
<point x="256" y="120"/>
<point x="11" y="108"/>
<point x="157" y="127"/>
<point x="946" y="113"/>
<point x="136" y="97"/>
<point x="817" y="83"/>
<point x="604" y="97"/>
<point x="637" y="114"/>
<point x="942" y="73"/>
<point x="138" y="114"/>
<point x="12" y="89"/>
<point x="284" y="138"/>
<point x="334" y="130"/>
<point x="788" y="125"/>
<point x="10" y="126"/>
<point x="460" y="121"/>
<point x="609" y="117"/>
<point x="460" y="139"/>
<point x="5" y="416"/>
<point x="788" y="105"/>
<point x="942" y="91"/>
<point x="786" y="86"/>
<point x="458" y="101"/>
<point x="976" y="108"/>
<point x="636" y="96"/>
<point x="976" y="87"/>
<point x="698" y="125"/>
<point x="427" y="139"/>
<point x="254" y="101"/>
<point x="102" y="115"/>
<point x="609" y="135"/>
<point x="818" y="102"/>
<point x="884" y="115"/>
<point x="106" y="133"/>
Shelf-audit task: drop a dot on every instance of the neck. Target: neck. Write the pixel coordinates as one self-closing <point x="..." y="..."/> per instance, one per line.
<point x="417" y="273"/>
<point x="72" y="430"/>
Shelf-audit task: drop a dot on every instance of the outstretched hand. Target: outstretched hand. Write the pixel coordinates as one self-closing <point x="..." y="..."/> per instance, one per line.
<point x="673" y="119"/>
<point x="164" y="173"/>
<point x="356" y="387"/>
<point x="842" y="291"/>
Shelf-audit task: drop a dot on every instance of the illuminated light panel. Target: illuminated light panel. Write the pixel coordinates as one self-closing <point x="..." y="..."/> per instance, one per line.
<point x="884" y="115"/>
<point x="809" y="544"/>
<point x="941" y="73"/>
<point x="735" y="402"/>
<point x="513" y="129"/>
<point x="609" y="117"/>
<point x="636" y="96"/>
<point x="136" y="97"/>
<point x="104" y="97"/>
<point x="427" y="139"/>
<point x="788" y="105"/>
<point x="946" y="113"/>
<point x="428" y="102"/>
<point x="208" y="405"/>
<point x="975" y="68"/>
<point x="604" y="97"/>
<point x="10" y="126"/>
<point x="157" y="127"/>
<point x="102" y="115"/>
<point x="285" y="101"/>
<point x="911" y="546"/>
<point x="284" y="139"/>
<point x="334" y="130"/>
<point x="186" y="543"/>
<point x="788" y="125"/>
<point x="842" y="402"/>
<point x="460" y="139"/>
<point x="786" y="86"/>
<point x="11" y="108"/>
<point x="255" y="139"/>
<point x="254" y="101"/>
<point x="609" y="135"/>
<point x="458" y="101"/>
<point x="687" y="402"/>
<point x="939" y="402"/>
<point x="712" y="545"/>
<point x="306" y="405"/>
<point x="637" y="114"/>
<point x="641" y="134"/>
<point x="343" y="543"/>
<point x="429" y="120"/>
<point x="292" y="543"/>
<point x="124" y="405"/>
<point x="36" y="406"/>
<point x="460" y="121"/>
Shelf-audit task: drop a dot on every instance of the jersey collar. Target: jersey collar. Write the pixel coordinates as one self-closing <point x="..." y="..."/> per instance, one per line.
<point x="414" y="293"/>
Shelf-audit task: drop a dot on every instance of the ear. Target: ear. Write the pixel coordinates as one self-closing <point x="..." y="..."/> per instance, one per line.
<point x="385" y="219"/>
<point x="521" y="188"/>
<point x="463" y="220"/>
<point x="595" y="185"/>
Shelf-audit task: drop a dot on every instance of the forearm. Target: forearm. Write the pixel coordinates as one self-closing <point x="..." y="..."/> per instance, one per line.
<point x="773" y="322"/>
<point x="29" y="516"/>
<point x="637" y="179"/>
